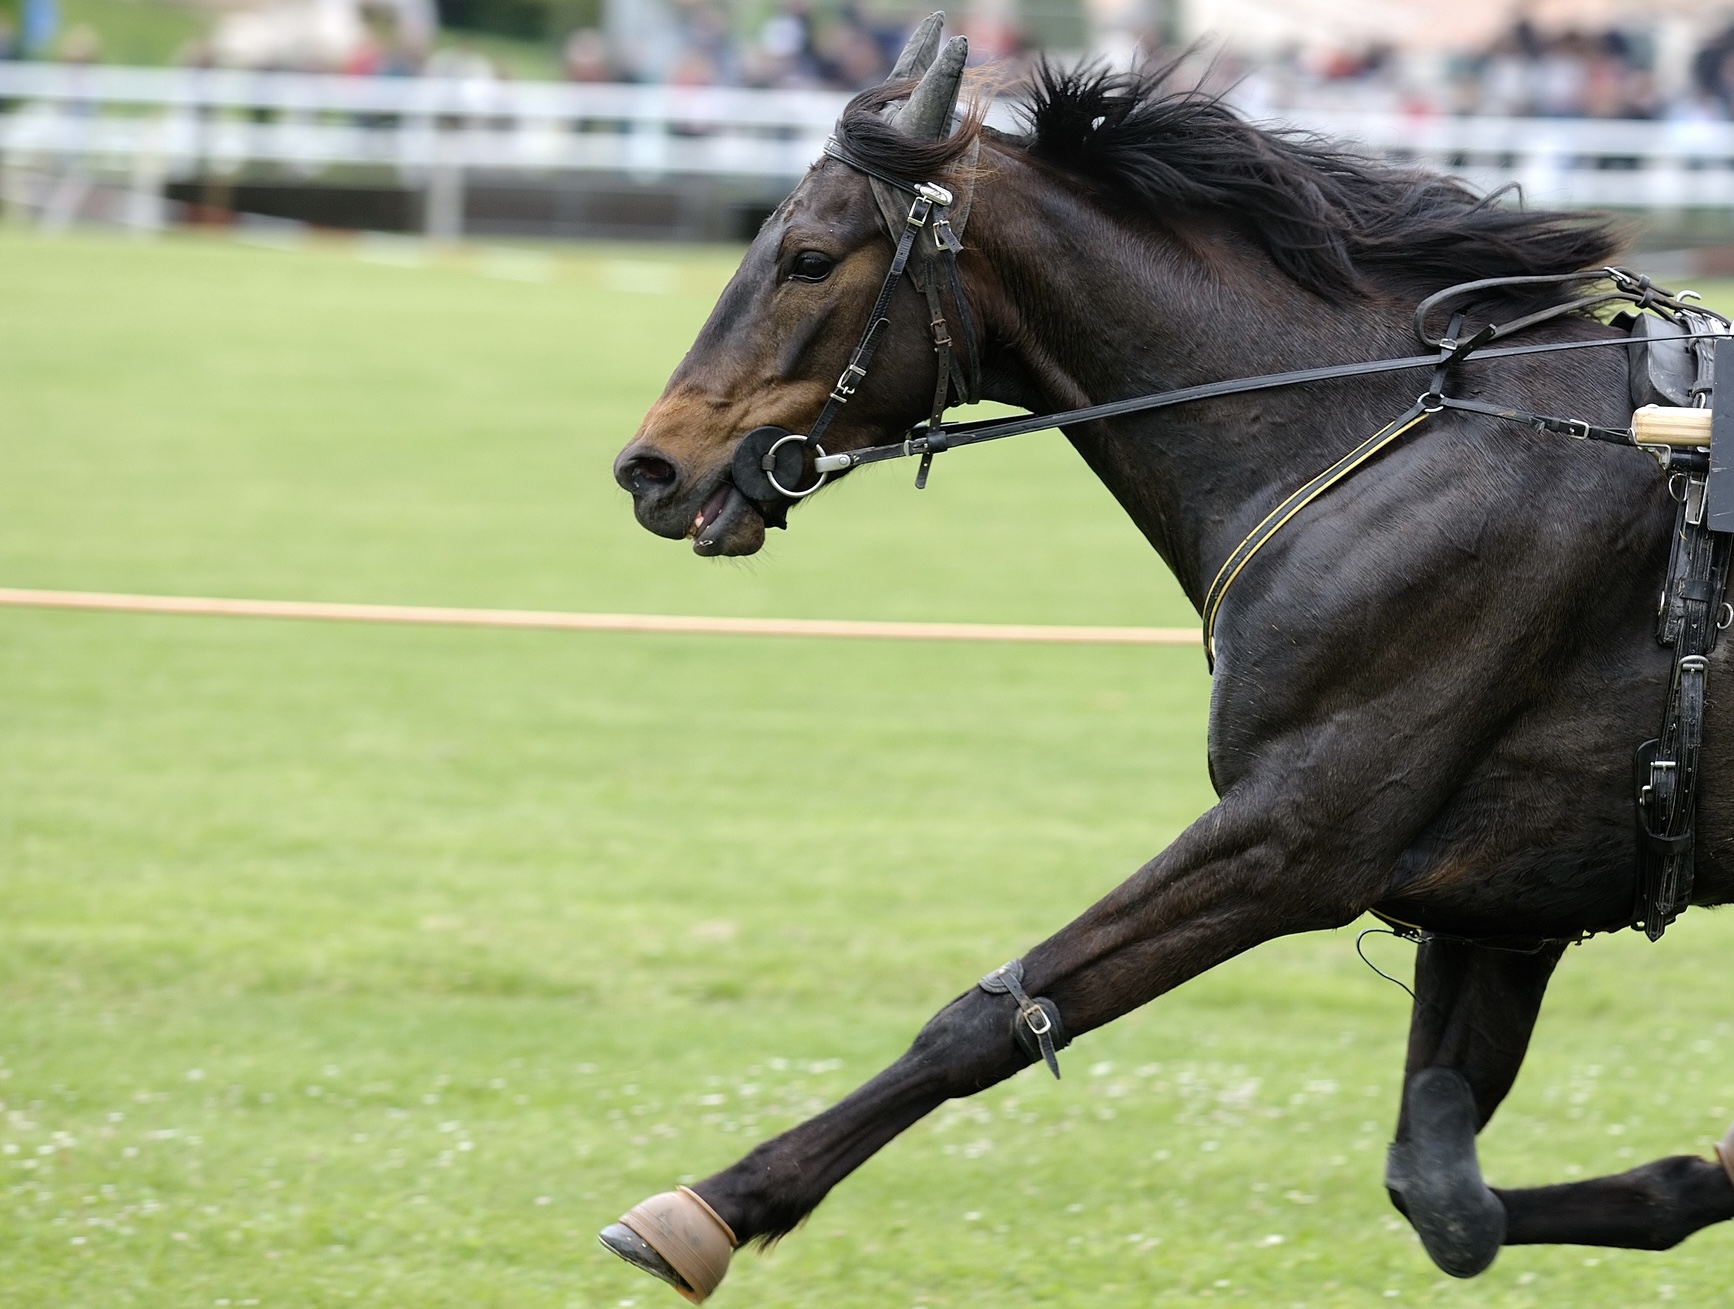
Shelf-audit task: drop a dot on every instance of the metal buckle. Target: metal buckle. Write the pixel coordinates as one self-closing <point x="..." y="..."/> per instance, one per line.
<point x="919" y="211"/>
<point x="933" y="193"/>
<point x="1577" y="429"/>
<point x="1032" y="1011"/>
<point x="1697" y="492"/>
<point x="842" y="391"/>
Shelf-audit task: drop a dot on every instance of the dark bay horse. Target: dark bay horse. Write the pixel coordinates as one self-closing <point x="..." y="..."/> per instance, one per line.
<point x="1428" y="687"/>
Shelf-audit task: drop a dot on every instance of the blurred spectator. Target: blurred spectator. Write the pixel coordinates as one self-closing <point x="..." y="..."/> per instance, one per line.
<point x="1713" y="71"/>
<point x="587" y="58"/>
<point x="851" y="56"/>
<point x="40" y="21"/>
<point x="81" y="46"/>
<point x="786" y="53"/>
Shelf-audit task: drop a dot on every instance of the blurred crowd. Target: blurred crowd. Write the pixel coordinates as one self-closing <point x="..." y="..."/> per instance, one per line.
<point x="693" y="43"/>
<point x="1528" y="71"/>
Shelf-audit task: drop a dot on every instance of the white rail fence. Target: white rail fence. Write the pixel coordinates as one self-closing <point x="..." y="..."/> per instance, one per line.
<point x="65" y="130"/>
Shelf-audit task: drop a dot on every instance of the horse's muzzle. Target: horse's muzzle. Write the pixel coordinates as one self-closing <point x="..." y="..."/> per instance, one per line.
<point x="717" y="517"/>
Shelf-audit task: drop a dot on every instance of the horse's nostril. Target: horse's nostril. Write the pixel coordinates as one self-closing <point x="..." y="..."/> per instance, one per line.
<point x="646" y="474"/>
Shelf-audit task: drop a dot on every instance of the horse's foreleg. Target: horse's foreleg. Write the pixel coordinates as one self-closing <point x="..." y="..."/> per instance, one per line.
<point x="1474" y="1011"/>
<point x="1223" y="887"/>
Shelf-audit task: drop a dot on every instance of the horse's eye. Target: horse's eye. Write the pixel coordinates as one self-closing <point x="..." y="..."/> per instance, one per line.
<point x="811" y="266"/>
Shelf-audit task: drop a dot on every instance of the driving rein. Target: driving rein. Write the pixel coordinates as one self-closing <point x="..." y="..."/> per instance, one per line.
<point x="770" y="463"/>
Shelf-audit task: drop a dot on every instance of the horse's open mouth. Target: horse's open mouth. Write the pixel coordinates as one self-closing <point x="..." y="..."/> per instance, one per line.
<point x="727" y="524"/>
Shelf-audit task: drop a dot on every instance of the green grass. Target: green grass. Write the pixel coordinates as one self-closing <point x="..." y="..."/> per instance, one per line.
<point x="361" y="965"/>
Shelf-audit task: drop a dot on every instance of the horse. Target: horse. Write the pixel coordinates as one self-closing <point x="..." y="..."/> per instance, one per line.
<point x="1427" y="687"/>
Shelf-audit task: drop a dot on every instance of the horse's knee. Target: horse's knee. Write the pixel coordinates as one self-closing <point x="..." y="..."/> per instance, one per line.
<point x="970" y="1044"/>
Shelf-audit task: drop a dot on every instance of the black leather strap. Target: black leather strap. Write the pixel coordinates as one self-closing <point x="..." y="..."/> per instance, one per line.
<point x="927" y="212"/>
<point x="998" y="429"/>
<point x="1037" y="1024"/>
<point x="1634" y="288"/>
<point x="1688" y="622"/>
<point x="855" y="372"/>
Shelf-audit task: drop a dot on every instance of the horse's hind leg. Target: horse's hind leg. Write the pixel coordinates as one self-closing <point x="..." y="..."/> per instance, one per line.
<point x="1474" y="1011"/>
<point x="1652" y="1207"/>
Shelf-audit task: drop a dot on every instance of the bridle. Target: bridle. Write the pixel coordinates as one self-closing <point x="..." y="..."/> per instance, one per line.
<point x="757" y="459"/>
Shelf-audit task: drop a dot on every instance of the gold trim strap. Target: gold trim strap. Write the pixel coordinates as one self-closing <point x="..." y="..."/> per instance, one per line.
<point x="1277" y="518"/>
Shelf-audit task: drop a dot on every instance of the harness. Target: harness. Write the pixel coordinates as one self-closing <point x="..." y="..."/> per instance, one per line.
<point x="1675" y="349"/>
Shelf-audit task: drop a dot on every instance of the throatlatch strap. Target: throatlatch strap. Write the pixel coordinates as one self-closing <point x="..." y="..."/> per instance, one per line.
<point x="1274" y="521"/>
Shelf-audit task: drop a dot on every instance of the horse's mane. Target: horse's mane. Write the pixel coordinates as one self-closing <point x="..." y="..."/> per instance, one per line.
<point x="1337" y="222"/>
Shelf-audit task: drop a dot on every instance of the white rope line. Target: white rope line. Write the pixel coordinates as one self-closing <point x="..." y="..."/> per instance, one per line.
<point x="212" y="607"/>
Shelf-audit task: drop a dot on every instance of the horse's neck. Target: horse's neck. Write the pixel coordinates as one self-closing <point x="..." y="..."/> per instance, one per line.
<point x="1083" y="312"/>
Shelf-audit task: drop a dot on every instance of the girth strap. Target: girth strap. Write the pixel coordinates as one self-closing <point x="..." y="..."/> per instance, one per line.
<point x="1689" y="620"/>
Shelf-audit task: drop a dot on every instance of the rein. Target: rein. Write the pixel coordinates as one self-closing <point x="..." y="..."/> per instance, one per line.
<point x="770" y="460"/>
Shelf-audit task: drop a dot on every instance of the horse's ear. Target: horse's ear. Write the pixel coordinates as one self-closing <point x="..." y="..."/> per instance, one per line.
<point x="918" y="52"/>
<point x="927" y="115"/>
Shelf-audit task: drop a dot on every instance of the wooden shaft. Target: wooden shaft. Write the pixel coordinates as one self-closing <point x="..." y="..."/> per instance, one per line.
<point x="1666" y="425"/>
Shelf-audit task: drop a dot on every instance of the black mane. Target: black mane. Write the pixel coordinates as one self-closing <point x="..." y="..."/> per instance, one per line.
<point x="1337" y="222"/>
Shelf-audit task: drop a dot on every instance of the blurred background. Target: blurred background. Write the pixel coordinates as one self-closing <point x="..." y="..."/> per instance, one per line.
<point x="689" y="119"/>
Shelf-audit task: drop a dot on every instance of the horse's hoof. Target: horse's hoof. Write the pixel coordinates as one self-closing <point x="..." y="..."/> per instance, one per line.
<point x="1459" y="1220"/>
<point x="675" y="1236"/>
<point x="638" y="1252"/>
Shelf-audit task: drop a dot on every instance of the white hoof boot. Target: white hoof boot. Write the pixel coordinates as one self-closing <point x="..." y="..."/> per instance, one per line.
<point x="685" y="1234"/>
<point x="1725" y="1152"/>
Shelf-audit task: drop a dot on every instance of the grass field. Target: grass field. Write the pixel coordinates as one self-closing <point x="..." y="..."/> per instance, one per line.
<point x="346" y="965"/>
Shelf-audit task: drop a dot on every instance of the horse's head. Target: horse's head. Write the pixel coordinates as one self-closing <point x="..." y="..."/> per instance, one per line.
<point x="787" y="322"/>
